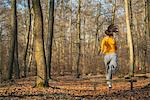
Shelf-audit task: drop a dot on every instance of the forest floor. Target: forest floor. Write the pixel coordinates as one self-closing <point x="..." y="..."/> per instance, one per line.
<point x="68" y="88"/>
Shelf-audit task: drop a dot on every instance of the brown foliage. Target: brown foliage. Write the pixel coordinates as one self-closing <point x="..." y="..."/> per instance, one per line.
<point x="72" y="89"/>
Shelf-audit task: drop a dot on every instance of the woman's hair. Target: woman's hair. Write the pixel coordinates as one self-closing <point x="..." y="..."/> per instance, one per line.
<point x="112" y="28"/>
<point x="108" y="33"/>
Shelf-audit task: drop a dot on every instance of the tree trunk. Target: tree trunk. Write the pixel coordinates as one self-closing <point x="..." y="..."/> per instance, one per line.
<point x="79" y="37"/>
<point x="137" y="57"/>
<point x="96" y="35"/>
<point x="148" y="13"/>
<point x="69" y="31"/>
<point x="146" y="37"/>
<point x="50" y="36"/>
<point x="28" y="37"/>
<point x="148" y="28"/>
<point x="13" y="37"/>
<point x="97" y="28"/>
<point x="129" y="37"/>
<point x="113" y="12"/>
<point x="40" y="58"/>
<point x="0" y="53"/>
<point x="16" y="60"/>
<point x="84" y="68"/>
<point x="63" y="58"/>
<point x="31" y="53"/>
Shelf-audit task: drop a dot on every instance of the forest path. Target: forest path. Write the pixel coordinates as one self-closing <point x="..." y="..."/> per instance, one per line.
<point x="89" y="87"/>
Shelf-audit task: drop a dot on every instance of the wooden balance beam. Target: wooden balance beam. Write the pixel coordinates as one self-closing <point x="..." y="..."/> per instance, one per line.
<point x="131" y="81"/>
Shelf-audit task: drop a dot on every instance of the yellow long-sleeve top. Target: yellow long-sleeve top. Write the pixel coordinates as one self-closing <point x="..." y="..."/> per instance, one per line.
<point x="108" y="45"/>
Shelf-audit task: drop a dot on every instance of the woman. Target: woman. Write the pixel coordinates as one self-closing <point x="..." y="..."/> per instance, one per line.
<point x="108" y="48"/>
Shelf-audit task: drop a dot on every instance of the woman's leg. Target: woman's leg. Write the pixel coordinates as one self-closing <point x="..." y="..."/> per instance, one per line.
<point x="112" y="68"/>
<point x="109" y="77"/>
<point x="113" y="62"/>
<point x="108" y="70"/>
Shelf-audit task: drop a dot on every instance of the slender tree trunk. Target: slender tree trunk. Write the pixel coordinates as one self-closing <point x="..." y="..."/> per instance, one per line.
<point x="131" y="27"/>
<point x="96" y="35"/>
<point x="69" y="31"/>
<point x="83" y="49"/>
<point x="63" y="58"/>
<point x="24" y="16"/>
<point x="148" y="13"/>
<point x="46" y="22"/>
<point x="148" y="28"/>
<point x="50" y="36"/>
<point x="137" y="58"/>
<point x="130" y="43"/>
<point x="97" y="28"/>
<point x="79" y="37"/>
<point x="28" y="38"/>
<point x="146" y="39"/>
<point x="59" y="56"/>
<point x="13" y="37"/>
<point x="0" y="53"/>
<point x="31" y="53"/>
<point x="41" y="79"/>
<point x="16" y="60"/>
<point x="113" y="12"/>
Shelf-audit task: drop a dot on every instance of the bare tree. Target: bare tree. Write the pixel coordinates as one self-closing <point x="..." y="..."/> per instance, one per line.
<point x="79" y="37"/>
<point x="28" y="38"/>
<point x="50" y="36"/>
<point x="129" y="37"/>
<point x="0" y="53"/>
<point x="70" y="28"/>
<point x="113" y="12"/>
<point x="148" y="13"/>
<point x="41" y="79"/>
<point x="13" y="40"/>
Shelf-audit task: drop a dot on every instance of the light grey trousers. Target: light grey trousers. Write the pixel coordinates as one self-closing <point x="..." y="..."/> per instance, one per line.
<point x="110" y="61"/>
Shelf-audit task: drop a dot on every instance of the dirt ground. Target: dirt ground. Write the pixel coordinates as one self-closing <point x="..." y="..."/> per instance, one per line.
<point x="67" y="88"/>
